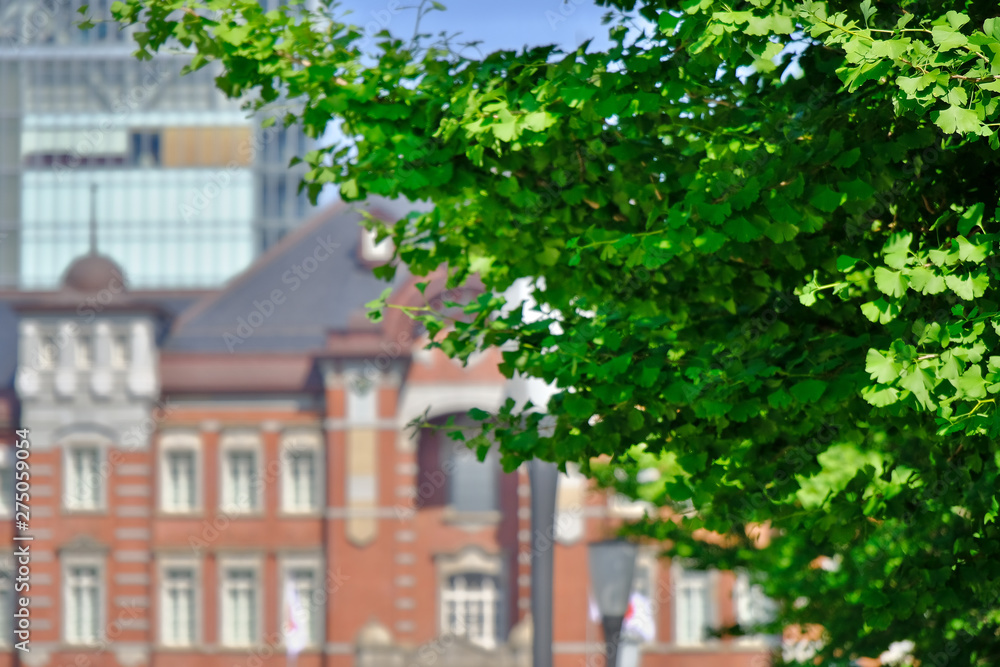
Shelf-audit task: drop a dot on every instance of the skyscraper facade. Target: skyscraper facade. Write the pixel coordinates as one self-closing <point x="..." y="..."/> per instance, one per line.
<point x="184" y="186"/>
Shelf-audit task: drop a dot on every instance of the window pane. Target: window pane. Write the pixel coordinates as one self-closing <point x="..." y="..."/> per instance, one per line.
<point x="300" y="485"/>
<point x="180" y="482"/>
<point x="179" y="607"/>
<point x="241" y="484"/>
<point x="473" y="482"/>
<point x="83" y="479"/>
<point x="471" y="608"/>
<point x="83" y="610"/>
<point x="240" y="607"/>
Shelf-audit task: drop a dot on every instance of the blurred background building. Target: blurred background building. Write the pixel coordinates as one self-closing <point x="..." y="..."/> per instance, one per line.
<point x="186" y="188"/>
<point x="197" y="455"/>
<point x="218" y="432"/>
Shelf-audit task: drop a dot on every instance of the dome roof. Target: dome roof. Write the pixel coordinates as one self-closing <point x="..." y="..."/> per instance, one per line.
<point x="93" y="273"/>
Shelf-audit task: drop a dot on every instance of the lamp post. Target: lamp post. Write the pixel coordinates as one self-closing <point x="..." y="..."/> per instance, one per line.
<point x="612" y="565"/>
<point x="544" y="477"/>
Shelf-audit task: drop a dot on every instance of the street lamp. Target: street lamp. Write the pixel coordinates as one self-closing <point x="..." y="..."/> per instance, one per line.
<point x="612" y="564"/>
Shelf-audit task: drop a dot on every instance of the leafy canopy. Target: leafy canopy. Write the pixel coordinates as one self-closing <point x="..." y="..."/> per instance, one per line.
<point x="762" y="242"/>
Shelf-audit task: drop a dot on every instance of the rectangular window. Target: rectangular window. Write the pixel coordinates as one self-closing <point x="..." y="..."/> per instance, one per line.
<point x="239" y="606"/>
<point x="83" y="478"/>
<point x="300" y="492"/>
<point x="83" y="604"/>
<point x="304" y="580"/>
<point x="180" y="481"/>
<point x="178" y="606"/>
<point x="240" y="481"/>
<point x="692" y="603"/>
<point x="470" y="608"/>
<point x="145" y="149"/>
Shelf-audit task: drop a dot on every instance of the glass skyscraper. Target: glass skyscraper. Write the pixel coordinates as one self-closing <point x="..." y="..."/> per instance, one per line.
<point x="185" y="189"/>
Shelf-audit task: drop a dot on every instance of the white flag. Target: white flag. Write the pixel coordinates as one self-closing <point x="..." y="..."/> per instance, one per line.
<point x="296" y="632"/>
<point x="639" y="618"/>
<point x="592" y="610"/>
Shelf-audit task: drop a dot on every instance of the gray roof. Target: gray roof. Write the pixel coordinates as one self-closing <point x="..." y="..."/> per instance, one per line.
<point x="330" y="298"/>
<point x="311" y="283"/>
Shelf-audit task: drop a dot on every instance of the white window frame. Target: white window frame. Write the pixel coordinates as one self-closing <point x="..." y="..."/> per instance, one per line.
<point x="473" y="561"/>
<point x="749" y="607"/>
<point x="241" y="441"/>
<point x="70" y="562"/>
<point x="180" y="441"/>
<point x="314" y="563"/>
<point x="164" y="564"/>
<point x="292" y="442"/>
<point x="679" y="580"/>
<point x="70" y="446"/>
<point x="226" y="565"/>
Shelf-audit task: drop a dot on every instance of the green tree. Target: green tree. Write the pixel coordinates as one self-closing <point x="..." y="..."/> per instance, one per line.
<point x="762" y="241"/>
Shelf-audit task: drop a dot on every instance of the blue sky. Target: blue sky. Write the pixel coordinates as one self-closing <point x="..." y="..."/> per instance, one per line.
<point x="500" y="25"/>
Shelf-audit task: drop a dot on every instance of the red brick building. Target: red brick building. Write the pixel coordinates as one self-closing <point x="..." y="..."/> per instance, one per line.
<point x="191" y="453"/>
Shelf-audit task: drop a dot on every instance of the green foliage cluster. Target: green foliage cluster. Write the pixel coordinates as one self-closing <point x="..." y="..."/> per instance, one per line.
<point x="762" y="237"/>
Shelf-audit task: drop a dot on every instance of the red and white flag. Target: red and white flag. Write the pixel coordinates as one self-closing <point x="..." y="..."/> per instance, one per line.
<point x="639" y="618"/>
<point x="296" y="632"/>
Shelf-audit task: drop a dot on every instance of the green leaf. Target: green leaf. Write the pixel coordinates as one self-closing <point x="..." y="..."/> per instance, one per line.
<point x="881" y="368"/>
<point x="867" y="10"/>
<point x="539" y="121"/>
<point x="926" y="281"/>
<point x="845" y="263"/>
<point x="968" y="252"/>
<point x="826" y="199"/>
<point x="478" y="415"/>
<point x="972" y="384"/>
<point x="967" y="286"/>
<point x="896" y="250"/>
<point x="349" y="189"/>
<point x="809" y="391"/>
<point x="956" y="120"/>
<point x="971" y="218"/>
<point x="891" y="283"/>
<point x="948" y="38"/>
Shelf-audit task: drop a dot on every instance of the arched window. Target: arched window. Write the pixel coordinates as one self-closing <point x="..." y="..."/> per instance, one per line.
<point x="472" y="597"/>
<point x="451" y="474"/>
